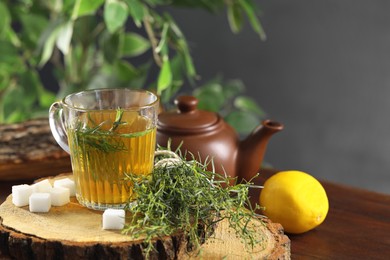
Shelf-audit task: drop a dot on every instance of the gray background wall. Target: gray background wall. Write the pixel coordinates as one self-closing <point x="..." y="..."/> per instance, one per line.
<point x="324" y="72"/>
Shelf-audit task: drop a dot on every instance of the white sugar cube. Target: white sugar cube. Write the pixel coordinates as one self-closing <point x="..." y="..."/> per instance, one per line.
<point x="40" y="202"/>
<point x="66" y="183"/>
<point x="20" y="194"/>
<point x="59" y="196"/>
<point x="113" y="219"/>
<point x="43" y="186"/>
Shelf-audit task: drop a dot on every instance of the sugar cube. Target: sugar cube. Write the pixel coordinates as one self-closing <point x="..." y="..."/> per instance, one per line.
<point x="40" y="202"/>
<point x="59" y="196"/>
<point x="20" y="194"/>
<point x="66" y="183"/>
<point x="113" y="219"/>
<point x="43" y="186"/>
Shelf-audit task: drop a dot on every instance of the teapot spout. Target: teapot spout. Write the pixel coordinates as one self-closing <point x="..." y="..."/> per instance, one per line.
<point x="252" y="149"/>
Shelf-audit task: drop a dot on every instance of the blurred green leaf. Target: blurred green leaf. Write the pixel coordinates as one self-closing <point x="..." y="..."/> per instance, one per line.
<point x="14" y="105"/>
<point x="140" y="79"/>
<point x="125" y="71"/>
<point x="167" y="95"/>
<point x="101" y="80"/>
<point x="16" y="116"/>
<point x="243" y="122"/>
<point x="29" y="83"/>
<point x="5" y="19"/>
<point x="182" y="47"/>
<point x="85" y="7"/>
<point x="133" y="45"/>
<point x="4" y="80"/>
<point x="163" y="39"/>
<point x="247" y="104"/>
<point x="47" y="41"/>
<point x="111" y="47"/>
<point x="48" y="48"/>
<point x="249" y="9"/>
<point x="46" y="98"/>
<point x="96" y="49"/>
<point x="65" y="32"/>
<point x="136" y="9"/>
<point x="12" y="37"/>
<point x="86" y="30"/>
<point x="158" y="2"/>
<point x="211" y="6"/>
<point x="233" y="88"/>
<point x="177" y="67"/>
<point x="189" y="64"/>
<point x="9" y="57"/>
<point x="235" y="17"/>
<point x="32" y="27"/>
<point x="115" y="15"/>
<point x="6" y="27"/>
<point x="210" y="97"/>
<point x="54" y="6"/>
<point x="165" y="76"/>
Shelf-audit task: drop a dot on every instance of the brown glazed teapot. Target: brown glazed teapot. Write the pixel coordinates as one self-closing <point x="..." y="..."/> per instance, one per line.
<point x="208" y="135"/>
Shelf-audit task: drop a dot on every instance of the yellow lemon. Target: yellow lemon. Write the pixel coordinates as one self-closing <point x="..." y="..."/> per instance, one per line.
<point x="294" y="199"/>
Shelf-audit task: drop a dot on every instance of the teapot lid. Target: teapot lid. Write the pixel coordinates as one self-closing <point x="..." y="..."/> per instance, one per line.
<point x="187" y="118"/>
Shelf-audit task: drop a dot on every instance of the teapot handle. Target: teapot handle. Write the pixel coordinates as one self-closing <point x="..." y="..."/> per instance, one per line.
<point x="57" y="126"/>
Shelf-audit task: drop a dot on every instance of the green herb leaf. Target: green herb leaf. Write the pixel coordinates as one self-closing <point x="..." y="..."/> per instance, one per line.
<point x="189" y="64"/>
<point x="46" y="98"/>
<point x="165" y="76"/>
<point x="5" y="18"/>
<point x="118" y="119"/>
<point x="115" y="15"/>
<point x="33" y="25"/>
<point x="183" y="196"/>
<point x="125" y="71"/>
<point x="111" y="46"/>
<point x="243" y="122"/>
<point x="133" y="45"/>
<point x="249" y="8"/>
<point x="85" y="7"/>
<point x="9" y="58"/>
<point x="248" y="104"/>
<point x="235" y="17"/>
<point x="64" y="37"/>
<point x="182" y="47"/>
<point x="210" y="96"/>
<point x="48" y="39"/>
<point x="233" y="88"/>
<point x="158" y="2"/>
<point x="136" y="9"/>
<point x="163" y="40"/>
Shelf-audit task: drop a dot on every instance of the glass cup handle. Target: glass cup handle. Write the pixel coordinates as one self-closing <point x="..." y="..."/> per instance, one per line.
<point x="57" y="126"/>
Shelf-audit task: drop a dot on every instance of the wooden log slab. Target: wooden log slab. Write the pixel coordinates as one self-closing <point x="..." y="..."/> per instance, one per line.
<point x="75" y="232"/>
<point x="29" y="151"/>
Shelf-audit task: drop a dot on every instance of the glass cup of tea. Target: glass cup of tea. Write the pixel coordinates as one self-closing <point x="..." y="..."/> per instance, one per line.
<point x="108" y="133"/>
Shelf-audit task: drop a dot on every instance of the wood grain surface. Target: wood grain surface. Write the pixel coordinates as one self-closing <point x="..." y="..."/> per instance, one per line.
<point x="29" y="151"/>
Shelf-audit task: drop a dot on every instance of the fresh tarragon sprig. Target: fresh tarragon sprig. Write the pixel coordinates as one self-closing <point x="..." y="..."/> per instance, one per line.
<point x="92" y="136"/>
<point x="181" y="196"/>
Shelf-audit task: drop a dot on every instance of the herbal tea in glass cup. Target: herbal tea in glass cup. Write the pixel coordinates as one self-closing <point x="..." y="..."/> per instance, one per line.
<point x="108" y="133"/>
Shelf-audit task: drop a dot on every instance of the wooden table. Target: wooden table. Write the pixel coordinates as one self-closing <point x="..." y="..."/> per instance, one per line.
<point x="357" y="225"/>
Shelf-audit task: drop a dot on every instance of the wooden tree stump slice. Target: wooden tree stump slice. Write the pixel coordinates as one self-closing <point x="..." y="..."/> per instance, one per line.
<point x="75" y="232"/>
<point x="226" y="245"/>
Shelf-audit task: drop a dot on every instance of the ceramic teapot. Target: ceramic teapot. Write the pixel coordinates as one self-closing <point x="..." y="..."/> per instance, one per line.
<point x="206" y="135"/>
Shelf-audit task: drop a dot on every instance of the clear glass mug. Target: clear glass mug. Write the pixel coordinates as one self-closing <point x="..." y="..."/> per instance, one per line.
<point x="108" y="133"/>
